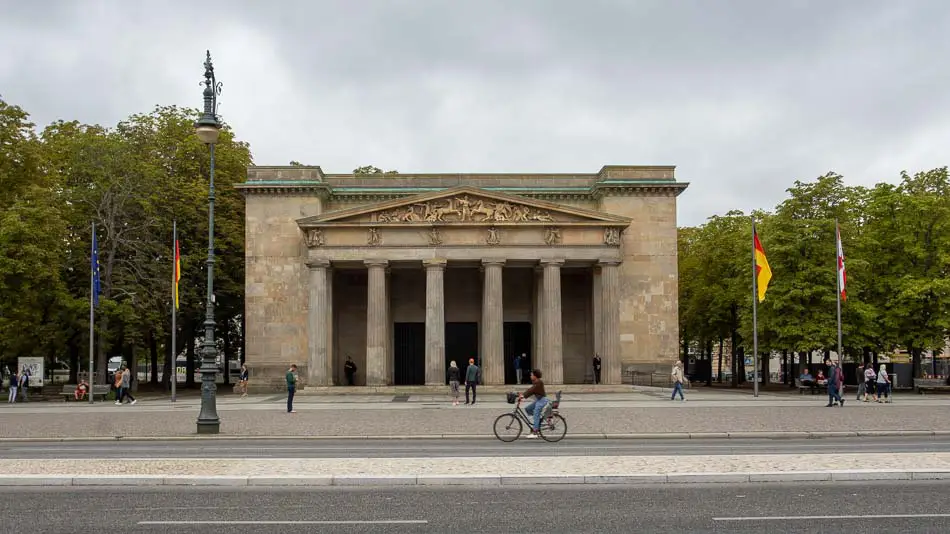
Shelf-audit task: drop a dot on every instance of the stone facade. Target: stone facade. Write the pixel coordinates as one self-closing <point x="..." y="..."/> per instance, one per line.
<point x="403" y="273"/>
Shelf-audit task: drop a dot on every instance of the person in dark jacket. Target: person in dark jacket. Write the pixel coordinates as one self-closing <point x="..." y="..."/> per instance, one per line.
<point x="455" y="378"/>
<point x="472" y="376"/>
<point x="833" y="385"/>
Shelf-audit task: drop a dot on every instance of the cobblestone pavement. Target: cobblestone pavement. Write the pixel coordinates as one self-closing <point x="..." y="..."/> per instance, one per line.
<point x="563" y="465"/>
<point x="266" y="416"/>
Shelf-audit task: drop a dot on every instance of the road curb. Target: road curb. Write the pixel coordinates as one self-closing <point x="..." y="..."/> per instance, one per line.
<point x="465" y="480"/>
<point x="627" y="436"/>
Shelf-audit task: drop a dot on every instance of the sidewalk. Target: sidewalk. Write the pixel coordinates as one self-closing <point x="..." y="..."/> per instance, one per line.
<point x="478" y="471"/>
<point x="645" y="412"/>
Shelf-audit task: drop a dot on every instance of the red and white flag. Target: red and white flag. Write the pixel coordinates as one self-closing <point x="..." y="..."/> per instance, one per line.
<point x="842" y="275"/>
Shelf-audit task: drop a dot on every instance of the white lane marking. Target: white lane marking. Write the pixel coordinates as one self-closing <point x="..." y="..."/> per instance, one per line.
<point x="381" y="522"/>
<point x="816" y="517"/>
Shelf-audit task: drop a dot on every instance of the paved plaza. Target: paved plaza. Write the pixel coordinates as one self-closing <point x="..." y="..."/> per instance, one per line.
<point x="645" y="411"/>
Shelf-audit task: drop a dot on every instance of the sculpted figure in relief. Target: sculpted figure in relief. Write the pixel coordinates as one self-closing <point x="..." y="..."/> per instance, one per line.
<point x="374" y="238"/>
<point x="611" y="236"/>
<point x="492" y="238"/>
<point x="464" y="209"/>
<point x="315" y="237"/>
<point x="435" y="238"/>
<point x="552" y="235"/>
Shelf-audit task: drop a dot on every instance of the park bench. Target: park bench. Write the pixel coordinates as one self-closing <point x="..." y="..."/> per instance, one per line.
<point x="98" y="390"/>
<point x="931" y="384"/>
<point x="802" y="388"/>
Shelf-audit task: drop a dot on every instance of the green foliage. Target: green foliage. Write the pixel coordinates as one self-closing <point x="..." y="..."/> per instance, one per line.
<point x="897" y="246"/>
<point x="133" y="180"/>
<point x="370" y="169"/>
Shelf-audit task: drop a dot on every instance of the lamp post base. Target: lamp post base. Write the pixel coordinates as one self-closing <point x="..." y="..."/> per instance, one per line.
<point x="209" y="427"/>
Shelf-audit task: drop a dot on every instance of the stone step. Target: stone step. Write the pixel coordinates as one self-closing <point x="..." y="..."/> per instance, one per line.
<point x="443" y="390"/>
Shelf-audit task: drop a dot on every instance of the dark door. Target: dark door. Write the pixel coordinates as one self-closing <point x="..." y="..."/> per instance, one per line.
<point x="517" y="342"/>
<point x="409" y="348"/>
<point x="461" y="344"/>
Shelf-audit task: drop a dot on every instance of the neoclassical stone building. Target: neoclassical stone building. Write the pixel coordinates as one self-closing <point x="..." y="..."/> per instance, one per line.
<point x="406" y="272"/>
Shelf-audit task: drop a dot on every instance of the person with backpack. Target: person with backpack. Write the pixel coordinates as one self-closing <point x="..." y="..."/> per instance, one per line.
<point x="454" y="379"/>
<point x="473" y="376"/>
<point x="833" y="387"/>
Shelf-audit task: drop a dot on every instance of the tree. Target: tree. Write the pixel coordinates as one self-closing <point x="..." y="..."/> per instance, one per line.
<point x="370" y="169"/>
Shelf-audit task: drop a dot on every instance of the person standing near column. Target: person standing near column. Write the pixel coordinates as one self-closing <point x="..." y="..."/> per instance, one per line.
<point x="455" y="377"/>
<point x="291" y="378"/>
<point x="472" y="374"/>
<point x="517" y="364"/>
<point x="596" y="368"/>
<point x="349" y="369"/>
<point x="245" y="375"/>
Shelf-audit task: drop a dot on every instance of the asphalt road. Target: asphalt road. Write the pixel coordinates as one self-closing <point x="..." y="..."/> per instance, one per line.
<point x="416" y="448"/>
<point x="774" y="508"/>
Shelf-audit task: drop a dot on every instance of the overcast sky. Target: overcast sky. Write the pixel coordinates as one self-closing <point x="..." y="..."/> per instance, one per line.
<point x="744" y="97"/>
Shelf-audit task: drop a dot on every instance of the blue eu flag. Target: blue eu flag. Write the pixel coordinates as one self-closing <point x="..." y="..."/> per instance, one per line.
<point x="96" y="287"/>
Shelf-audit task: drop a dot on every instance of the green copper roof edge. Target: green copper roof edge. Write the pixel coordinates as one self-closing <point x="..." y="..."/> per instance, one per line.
<point x="489" y="188"/>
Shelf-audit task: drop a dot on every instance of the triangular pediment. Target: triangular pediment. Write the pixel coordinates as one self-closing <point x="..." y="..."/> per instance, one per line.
<point x="464" y="205"/>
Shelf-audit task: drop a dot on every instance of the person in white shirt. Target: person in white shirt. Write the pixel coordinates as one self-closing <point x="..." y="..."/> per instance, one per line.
<point x="883" y="385"/>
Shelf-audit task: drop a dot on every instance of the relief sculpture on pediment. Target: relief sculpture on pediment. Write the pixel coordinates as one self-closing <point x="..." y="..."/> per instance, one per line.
<point x="464" y="208"/>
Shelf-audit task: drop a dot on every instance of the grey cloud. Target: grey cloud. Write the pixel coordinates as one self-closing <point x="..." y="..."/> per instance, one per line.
<point x="743" y="96"/>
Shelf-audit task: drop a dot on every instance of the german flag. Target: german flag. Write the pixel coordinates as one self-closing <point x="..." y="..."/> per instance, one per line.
<point x="177" y="272"/>
<point x="762" y="271"/>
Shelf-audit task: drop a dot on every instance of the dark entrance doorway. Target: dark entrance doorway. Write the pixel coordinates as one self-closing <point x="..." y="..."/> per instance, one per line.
<point x="409" y="354"/>
<point x="517" y="342"/>
<point x="461" y="343"/>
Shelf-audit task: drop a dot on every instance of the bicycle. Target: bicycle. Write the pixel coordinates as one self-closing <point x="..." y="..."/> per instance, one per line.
<point x="553" y="428"/>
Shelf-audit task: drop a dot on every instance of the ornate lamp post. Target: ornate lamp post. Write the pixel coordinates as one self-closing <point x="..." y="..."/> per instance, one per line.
<point x="207" y="129"/>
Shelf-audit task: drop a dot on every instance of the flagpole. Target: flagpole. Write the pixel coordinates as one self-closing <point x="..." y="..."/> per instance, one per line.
<point x="92" y="311"/>
<point x="838" y="285"/>
<point x="755" y="321"/>
<point x="174" y="355"/>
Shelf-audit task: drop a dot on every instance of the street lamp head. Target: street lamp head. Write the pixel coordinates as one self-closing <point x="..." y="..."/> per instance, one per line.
<point x="208" y="127"/>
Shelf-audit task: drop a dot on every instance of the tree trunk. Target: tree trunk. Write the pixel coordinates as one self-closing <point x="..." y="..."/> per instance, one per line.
<point x="102" y="358"/>
<point x="190" y="362"/>
<point x="719" y="372"/>
<point x="168" y="368"/>
<point x="915" y="354"/>
<point x="226" y="333"/>
<point x="74" y="360"/>
<point x="709" y="353"/>
<point x="153" y="354"/>
<point x="735" y="360"/>
<point x="740" y="358"/>
<point x="785" y="367"/>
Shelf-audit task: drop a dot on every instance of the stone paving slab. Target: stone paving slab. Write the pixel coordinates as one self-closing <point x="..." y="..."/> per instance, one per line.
<point x="682" y="419"/>
<point x="389" y="471"/>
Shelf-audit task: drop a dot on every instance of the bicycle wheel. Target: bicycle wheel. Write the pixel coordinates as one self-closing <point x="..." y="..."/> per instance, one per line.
<point x="507" y="427"/>
<point x="554" y="428"/>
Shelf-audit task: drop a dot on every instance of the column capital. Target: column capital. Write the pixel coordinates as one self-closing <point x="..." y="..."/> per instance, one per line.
<point x="552" y="263"/>
<point x="318" y="263"/>
<point x="376" y="263"/>
<point x="434" y="263"/>
<point x="608" y="262"/>
<point x="486" y="263"/>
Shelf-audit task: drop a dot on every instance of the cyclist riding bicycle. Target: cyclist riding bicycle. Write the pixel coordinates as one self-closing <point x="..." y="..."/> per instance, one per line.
<point x="540" y="401"/>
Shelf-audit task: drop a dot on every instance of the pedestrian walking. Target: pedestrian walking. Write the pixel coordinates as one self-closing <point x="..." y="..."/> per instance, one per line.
<point x="517" y="364"/>
<point x="597" y="368"/>
<point x="291" y="387"/>
<point x="349" y="369"/>
<point x="117" y="384"/>
<point x="473" y="376"/>
<point x="883" y="385"/>
<point x="870" y="383"/>
<point x="839" y="379"/>
<point x="14" y="384"/>
<point x="678" y="379"/>
<point x="24" y="388"/>
<point x="243" y="378"/>
<point x="862" y="385"/>
<point x="455" y="377"/>
<point x="832" y="380"/>
<point x="125" y="385"/>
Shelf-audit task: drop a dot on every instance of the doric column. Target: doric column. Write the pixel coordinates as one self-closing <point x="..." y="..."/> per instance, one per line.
<point x="493" y="341"/>
<point x="537" y="358"/>
<point x="553" y="357"/>
<point x="596" y="314"/>
<point x="319" y="334"/>
<point x="435" y="321"/>
<point x="377" y="368"/>
<point x="610" y="322"/>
